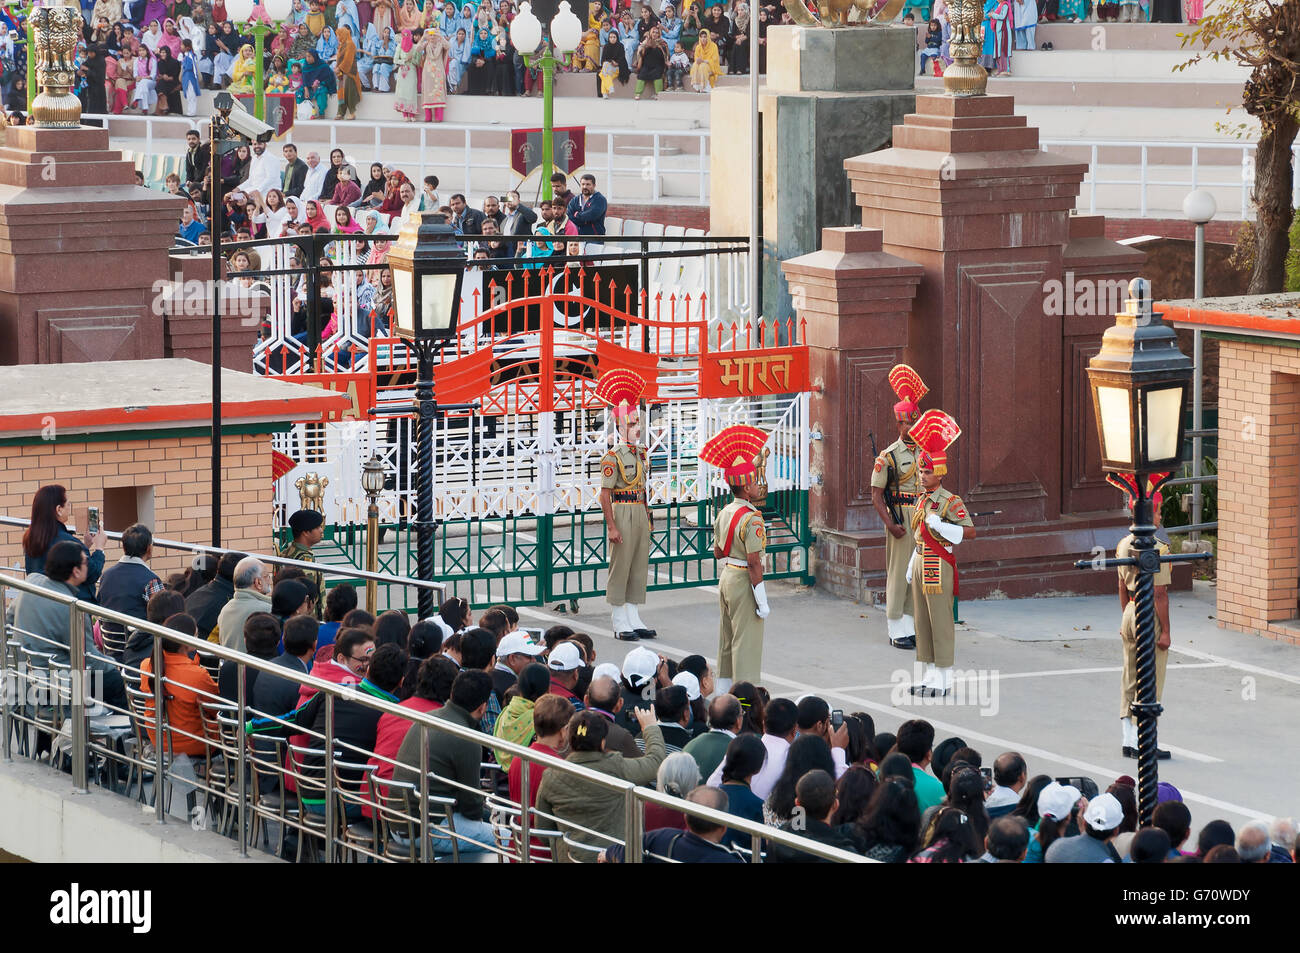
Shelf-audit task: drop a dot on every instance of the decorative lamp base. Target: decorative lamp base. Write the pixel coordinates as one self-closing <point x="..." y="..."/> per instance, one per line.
<point x="965" y="77"/>
<point x="56" y="111"/>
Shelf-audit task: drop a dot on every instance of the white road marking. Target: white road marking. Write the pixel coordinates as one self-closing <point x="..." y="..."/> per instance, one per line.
<point x="1004" y="675"/>
<point x="1240" y="666"/>
<point x="1003" y="744"/>
<point x="1191" y="755"/>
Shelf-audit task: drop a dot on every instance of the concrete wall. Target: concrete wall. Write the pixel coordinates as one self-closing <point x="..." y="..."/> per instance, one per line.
<point x="45" y="821"/>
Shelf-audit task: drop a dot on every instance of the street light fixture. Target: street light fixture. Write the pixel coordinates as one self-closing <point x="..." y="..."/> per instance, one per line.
<point x="1139" y="384"/>
<point x="428" y="266"/>
<point x="243" y="11"/>
<point x="565" y="35"/>
<point x="1199" y="207"/>
<point x="372" y="481"/>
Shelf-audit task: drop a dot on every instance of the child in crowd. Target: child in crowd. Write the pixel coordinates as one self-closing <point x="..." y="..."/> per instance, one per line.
<point x="679" y="64"/>
<point x="933" y="44"/>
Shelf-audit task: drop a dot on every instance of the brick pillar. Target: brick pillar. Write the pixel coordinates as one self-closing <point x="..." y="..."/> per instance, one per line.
<point x="856" y="301"/>
<point x="185" y="303"/>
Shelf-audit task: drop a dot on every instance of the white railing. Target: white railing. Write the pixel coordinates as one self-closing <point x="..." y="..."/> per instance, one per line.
<point x="1231" y="181"/>
<point x="166" y="135"/>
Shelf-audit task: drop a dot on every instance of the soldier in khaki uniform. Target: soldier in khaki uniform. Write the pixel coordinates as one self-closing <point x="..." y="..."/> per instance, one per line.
<point x="1128" y="579"/>
<point x="940" y="521"/>
<point x="624" y="479"/>
<point x="739" y="542"/>
<point x="895" y="485"/>
<point x="308" y="528"/>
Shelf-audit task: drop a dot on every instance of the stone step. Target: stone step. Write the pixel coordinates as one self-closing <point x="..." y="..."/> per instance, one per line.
<point x="1112" y="36"/>
<point x="1070" y="92"/>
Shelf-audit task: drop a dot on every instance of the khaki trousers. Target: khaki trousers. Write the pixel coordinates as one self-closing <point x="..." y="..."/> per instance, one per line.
<point x="629" y="561"/>
<point x="935" y="631"/>
<point x="898" y="553"/>
<point x="740" y="630"/>
<point x="1128" y="693"/>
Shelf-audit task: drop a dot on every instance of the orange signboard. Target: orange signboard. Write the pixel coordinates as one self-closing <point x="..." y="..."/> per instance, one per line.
<point x="773" y="370"/>
<point x="359" y="388"/>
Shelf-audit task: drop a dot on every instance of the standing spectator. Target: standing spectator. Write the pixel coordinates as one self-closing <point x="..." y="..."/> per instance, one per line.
<point x="308" y="529"/>
<point x="434" y="50"/>
<point x="587" y="210"/>
<point x="519" y="220"/>
<point x="129" y="584"/>
<point x="465" y="220"/>
<point x="295" y="171"/>
<point x="582" y="806"/>
<point x="252" y="580"/>
<point x="998" y="19"/>
<point x="725" y="718"/>
<point x="1026" y="19"/>
<point x="48" y="526"/>
<point x="1102" y="820"/>
<point x="452" y="759"/>
<point x="560" y="190"/>
<point x="651" y="65"/>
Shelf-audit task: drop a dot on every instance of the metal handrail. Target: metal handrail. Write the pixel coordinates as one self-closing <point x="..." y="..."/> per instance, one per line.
<point x="635" y="797"/>
<point x="325" y="568"/>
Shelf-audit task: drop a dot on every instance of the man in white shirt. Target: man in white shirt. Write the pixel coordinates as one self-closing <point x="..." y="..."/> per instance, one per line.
<point x="263" y="172"/>
<point x="316" y="172"/>
<point x="779" y="726"/>
<point x="1010" y="774"/>
<point x="410" y="205"/>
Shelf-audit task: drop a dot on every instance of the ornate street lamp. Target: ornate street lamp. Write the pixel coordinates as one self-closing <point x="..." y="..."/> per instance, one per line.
<point x="428" y="265"/>
<point x="565" y="35"/>
<point x="372" y="481"/>
<point x="245" y="11"/>
<point x="1139" y="385"/>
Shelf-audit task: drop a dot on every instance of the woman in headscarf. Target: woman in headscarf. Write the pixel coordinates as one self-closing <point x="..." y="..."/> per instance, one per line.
<point x="343" y="221"/>
<point x="406" y="61"/>
<point x="366" y="55"/>
<point x="116" y="39"/>
<point x="349" y="81"/>
<point x="385" y="48"/>
<point x="189" y="29"/>
<point x="295" y="214"/>
<point x="720" y="32"/>
<point x="327" y="46"/>
<point x="171" y="38"/>
<point x="613" y="65"/>
<point x="277" y="80"/>
<point x="738" y="55"/>
<point x="409" y="16"/>
<point x="651" y="63"/>
<point x="393" y="203"/>
<point x="152" y="36"/>
<point x="242" y="71"/>
<point x="347" y="15"/>
<point x="448" y="19"/>
<point x="110" y="10"/>
<point x="144" y="96"/>
<point x="482" y="63"/>
<point x="586" y="58"/>
<point x="94" y="98"/>
<point x="483" y="19"/>
<point x="383" y="14"/>
<point x="219" y="14"/>
<point x="124" y="81"/>
<point x="433" y="98"/>
<point x="154" y="10"/>
<point x="628" y="36"/>
<point x="705" y="69"/>
<point x="303" y="42"/>
<point x="299" y="14"/>
<point x="167" y="83"/>
<point x="316" y="219"/>
<point x="190" y="84"/>
<point x="282" y="42"/>
<point x="670" y="26"/>
<point x="201" y="15"/>
<point x="645" y="22"/>
<point x="228" y="44"/>
<point x="458" y="58"/>
<point x="318" y="83"/>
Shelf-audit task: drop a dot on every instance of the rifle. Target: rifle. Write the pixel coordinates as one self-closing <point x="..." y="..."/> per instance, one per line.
<point x="890" y="503"/>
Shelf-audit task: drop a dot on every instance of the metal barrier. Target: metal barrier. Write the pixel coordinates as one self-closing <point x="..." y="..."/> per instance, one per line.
<point x="651" y="166"/>
<point x="1200" y="177"/>
<point x="235" y="766"/>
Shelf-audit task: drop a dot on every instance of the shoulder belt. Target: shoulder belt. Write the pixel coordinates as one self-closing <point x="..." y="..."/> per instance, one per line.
<point x="736" y="519"/>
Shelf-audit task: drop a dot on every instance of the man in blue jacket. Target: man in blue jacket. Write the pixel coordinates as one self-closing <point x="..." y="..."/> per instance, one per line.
<point x="587" y="208"/>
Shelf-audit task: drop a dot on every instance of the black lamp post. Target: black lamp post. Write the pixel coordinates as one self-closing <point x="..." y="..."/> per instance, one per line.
<point x="1139" y="386"/>
<point x="428" y="267"/>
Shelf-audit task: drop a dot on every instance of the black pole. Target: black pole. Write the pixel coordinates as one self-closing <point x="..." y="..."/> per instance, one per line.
<point x="426" y="410"/>
<point x="1147" y="708"/>
<point x="215" y="224"/>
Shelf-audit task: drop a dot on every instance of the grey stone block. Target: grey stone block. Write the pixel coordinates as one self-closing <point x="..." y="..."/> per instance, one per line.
<point x="844" y="59"/>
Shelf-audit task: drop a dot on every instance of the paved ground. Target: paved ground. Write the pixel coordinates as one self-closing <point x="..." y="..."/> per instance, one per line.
<point x="1044" y="682"/>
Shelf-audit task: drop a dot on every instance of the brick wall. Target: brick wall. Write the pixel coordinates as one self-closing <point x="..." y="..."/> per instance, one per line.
<point x="687" y="216"/>
<point x="178" y="470"/>
<point x="1216" y="231"/>
<point x="1259" y="489"/>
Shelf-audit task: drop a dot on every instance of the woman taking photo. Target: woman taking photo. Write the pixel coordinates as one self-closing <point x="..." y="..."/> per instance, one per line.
<point x="50" y="514"/>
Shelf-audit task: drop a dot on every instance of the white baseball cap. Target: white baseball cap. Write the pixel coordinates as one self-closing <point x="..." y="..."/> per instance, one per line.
<point x="688" y="682"/>
<point x="518" y="643"/>
<point x="606" y="670"/>
<point x="639" y="667"/>
<point x="1104" y="813"/>
<point x="1056" y="801"/>
<point x="565" y="657"/>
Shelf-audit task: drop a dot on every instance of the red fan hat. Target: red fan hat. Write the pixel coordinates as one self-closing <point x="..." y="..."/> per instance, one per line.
<point x="1127" y="483"/>
<point x="734" y="450"/>
<point x="934" y="433"/>
<point x="621" y="389"/>
<point x="909" y="387"/>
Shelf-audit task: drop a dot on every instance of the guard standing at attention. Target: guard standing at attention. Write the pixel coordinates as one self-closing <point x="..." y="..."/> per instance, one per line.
<point x="1128" y="580"/>
<point x="624" y="484"/>
<point x="739" y="542"/>
<point x="895" y="485"/>
<point x="939" y="522"/>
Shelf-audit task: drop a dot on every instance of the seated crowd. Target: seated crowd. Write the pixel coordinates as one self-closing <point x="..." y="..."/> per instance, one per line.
<point x="791" y="764"/>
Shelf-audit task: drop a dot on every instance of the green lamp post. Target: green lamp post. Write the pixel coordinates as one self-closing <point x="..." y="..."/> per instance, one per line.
<point x="243" y="11"/>
<point x="565" y="35"/>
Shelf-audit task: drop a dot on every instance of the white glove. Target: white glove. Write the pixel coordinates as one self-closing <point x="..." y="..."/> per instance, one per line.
<point x="909" y="572"/>
<point x="760" y="597"/>
<point x="952" y="532"/>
